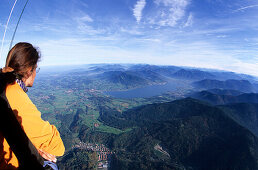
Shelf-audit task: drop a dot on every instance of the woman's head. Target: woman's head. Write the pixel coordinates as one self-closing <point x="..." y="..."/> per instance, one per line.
<point x="23" y="59"/>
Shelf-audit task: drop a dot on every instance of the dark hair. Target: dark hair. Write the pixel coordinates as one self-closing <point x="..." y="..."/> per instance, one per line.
<point x="23" y="58"/>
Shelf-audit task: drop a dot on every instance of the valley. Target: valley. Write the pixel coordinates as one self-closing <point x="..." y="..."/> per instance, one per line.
<point x="147" y="117"/>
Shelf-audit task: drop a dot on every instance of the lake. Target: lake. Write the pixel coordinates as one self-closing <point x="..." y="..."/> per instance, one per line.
<point x="173" y="85"/>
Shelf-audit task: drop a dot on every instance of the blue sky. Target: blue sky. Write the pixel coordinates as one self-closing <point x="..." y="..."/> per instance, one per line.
<point x="220" y="34"/>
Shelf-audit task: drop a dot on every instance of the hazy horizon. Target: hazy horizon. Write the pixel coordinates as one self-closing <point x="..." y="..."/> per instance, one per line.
<point x="75" y="67"/>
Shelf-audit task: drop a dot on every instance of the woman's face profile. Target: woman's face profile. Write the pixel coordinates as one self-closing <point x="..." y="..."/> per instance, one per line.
<point x="30" y="80"/>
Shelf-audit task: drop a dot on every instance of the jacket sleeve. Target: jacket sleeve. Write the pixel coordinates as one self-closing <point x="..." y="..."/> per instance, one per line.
<point x="43" y="135"/>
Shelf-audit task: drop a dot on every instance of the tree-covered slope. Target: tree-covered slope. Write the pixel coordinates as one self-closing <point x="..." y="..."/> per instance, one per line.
<point x="195" y="136"/>
<point x="239" y="85"/>
<point x="221" y="99"/>
<point x="246" y="114"/>
<point x="192" y="74"/>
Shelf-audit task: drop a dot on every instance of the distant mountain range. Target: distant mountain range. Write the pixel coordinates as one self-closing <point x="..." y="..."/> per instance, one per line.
<point x="193" y="74"/>
<point x="171" y="71"/>
<point x="128" y="76"/>
<point x="151" y="74"/>
<point x="109" y="67"/>
<point x="162" y="70"/>
<point x="124" y="78"/>
<point x="131" y="78"/>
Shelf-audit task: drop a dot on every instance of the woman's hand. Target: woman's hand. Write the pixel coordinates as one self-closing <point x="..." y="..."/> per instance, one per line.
<point x="47" y="156"/>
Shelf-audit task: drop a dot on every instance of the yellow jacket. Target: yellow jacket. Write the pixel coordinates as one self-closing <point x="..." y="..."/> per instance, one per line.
<point x="43" y="135"/>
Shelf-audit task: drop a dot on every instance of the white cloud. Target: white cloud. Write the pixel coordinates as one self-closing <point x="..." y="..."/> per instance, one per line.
<point x="138" y="8"/>
<point x="132" y="31"/>
<point x="201" y="54"/>
<point x="172" y="11"/>
<point x="84" y="25"/>
<point x="189" y="21"/>
<point x="244" y="8"/>
<point x="76" y="51"/>
<point x="244" y="67"/>
<point x="83" y="22"/>
<point x="86" y="18"/>
<point x="89" y="30"/>
<point x="211" y="31"/>
<point x="172" y="2"/>
<point x="222" y="36"/>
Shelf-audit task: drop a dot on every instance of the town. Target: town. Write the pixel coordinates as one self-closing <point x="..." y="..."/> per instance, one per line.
<point x="104" y="154"/>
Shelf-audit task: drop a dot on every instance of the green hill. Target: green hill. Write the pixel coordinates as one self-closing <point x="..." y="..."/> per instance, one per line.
<point x="239" y="85"/>
<point x="246" y="114"/>
<point x="195" y="135"/>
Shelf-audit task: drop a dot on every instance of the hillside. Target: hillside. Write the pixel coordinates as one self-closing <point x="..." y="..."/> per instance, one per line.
<point x="221" y="99"/>
<point x="194" y="135"/>
<point x="192" y="74"/>
<point x="162" y="70"/>
<point x="246" y="114"/>
<point x="123" y="78"/>
<point x="225" y="92"/>
<point x="239" y="85"/>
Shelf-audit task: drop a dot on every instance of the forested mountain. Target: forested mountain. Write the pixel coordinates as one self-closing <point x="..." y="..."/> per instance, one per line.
<point x="220" y="99"/>
<point x="192" y="74"/>
<point x="225" y="75"/>
<point x="176" y="135"/>
<point x="246" y="114"/>
<point x="108" y="67"/>
<point x="193" y="135"/>
<point x="124" y="78"/>
<point x="225" y="92"/>
<point x="132" y="79"/>
<point x="164" y="70"/>
<point x="239" y="85"/>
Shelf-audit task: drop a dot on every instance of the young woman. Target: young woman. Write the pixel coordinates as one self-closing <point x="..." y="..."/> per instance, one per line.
<point x="22" y="61"/>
